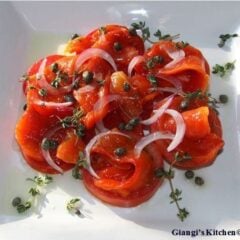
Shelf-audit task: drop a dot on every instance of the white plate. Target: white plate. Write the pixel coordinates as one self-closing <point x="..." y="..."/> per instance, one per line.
<point x="31" y="30"/>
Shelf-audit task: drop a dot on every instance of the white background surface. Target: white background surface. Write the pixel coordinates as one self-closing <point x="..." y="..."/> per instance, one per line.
<point x="29" y="31"/>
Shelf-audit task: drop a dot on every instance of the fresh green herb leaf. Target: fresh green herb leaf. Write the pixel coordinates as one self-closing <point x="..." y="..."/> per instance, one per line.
<point x="80" y="130"/>
<point x="81" y="163"/>
<point x="152" y="62"/>
<point x="72" y="121"/>
<point x="40" y="182"/>
<point x="73" y="206"/>
<point x="181" y="45"/>
<point x="188" y="97"/>
<point x="144" y="30"/>
<point x="225" y="37"/>
<point x="34" y="191"/>
<point x="146" y="33"/>
<point x="175" y="194"/>
<point x="158" y="34"/>
<point x="182" y="214"/>
<point x="222" y="70"/>
<point x="180" y="156"/>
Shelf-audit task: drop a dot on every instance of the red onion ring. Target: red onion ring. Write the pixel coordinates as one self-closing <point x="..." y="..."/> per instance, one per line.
<point x="176" y="57"/>
<point x="176" y="82"/>
<point x="46" y="153"/>
<point x="91" y="144"/>
<point x="87" y="88"/>
<point x="53" y="104"/>
<point x="94" y="52"/>
<point x="43" y="83"/>
<point x="180" y="129"/>
<point x="164" y="89"/>
<point x="143" y="142"/>
<point x="159" y="112"/>
<point x="136" y="60"/>
<point x="103" y="101"/>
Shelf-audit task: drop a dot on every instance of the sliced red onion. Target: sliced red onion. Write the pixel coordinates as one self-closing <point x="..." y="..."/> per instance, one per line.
<point x="104" y="100"/>
<point x="46" y="153"/>
<point x="136" y="60"/>
<point x="91" y="144"/>
<point x="101" y="103"/>
<point x="180" y="129"/>
<point x="43" y="83"/>
<point x="159" y="112"/>
<point x="101" y="128"/>
<point x="175" y="81"/>
<point x="94" y="52"/>
<point x="53" y="104"/>
<point x="176" y="57"/>
<point x="143" y="142"/>
<point x="87" y="88"/>
<point x="164" y="89"/>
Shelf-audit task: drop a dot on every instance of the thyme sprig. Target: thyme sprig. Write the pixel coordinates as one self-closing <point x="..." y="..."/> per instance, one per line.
<point x="222" y="70"/>
<point x="72" y="121"/>
<point x="188" y="97"/>
<point x="175" y="194"/>
<point x="81" y="163"/>
<point x="73" y="206"/>
<point x="39" y="183"/>
<point x="225" y="37"/>
<point x="146" y="35"/>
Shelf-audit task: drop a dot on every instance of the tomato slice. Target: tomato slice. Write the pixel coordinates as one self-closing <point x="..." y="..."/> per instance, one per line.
<point x="35" y="67"/>
<point x="124" y="181"/>
<point x="30" y="138"/>
<point x="130" y="45"/>
<point x="68" y="150"/>
<point x="192" y="71"/>
<point x="196" y="121"/>
<point x="48" y="103"/>
<point x="203" y="139"/>
<point x="203" y="151"/>
<point x="78" y="45"/>
<point x="50" y="59"/>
